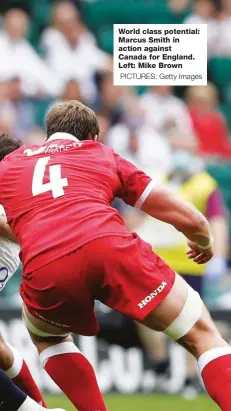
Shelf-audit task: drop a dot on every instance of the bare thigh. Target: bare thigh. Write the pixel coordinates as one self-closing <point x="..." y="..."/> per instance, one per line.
<point x="56" y="335"/>
<point x="42" y="325"/>
<point x="201" y="337"/>
<point x="6" y="355"/>
<point x="169" y="309"/>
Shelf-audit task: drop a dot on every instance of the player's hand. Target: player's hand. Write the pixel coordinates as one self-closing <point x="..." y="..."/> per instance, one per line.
<point x="197" y="254"/>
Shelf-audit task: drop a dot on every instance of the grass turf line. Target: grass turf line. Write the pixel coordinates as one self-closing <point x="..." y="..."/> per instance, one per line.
<point x="117" y="402"/>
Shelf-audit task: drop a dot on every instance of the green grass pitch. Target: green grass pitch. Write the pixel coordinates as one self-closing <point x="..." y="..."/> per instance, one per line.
<point x="152" y="402"/>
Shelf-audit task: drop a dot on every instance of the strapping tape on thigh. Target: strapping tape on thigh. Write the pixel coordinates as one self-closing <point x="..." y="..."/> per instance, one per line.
<point x="34" y="330"/>
<point x="188" y="317"/>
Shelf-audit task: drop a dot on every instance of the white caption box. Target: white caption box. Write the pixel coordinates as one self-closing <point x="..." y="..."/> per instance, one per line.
<point x="160" y="54"/>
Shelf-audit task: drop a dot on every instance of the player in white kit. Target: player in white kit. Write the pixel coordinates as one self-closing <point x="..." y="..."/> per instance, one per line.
<point x="9" y="260"/>
<point x="11" y="361"/>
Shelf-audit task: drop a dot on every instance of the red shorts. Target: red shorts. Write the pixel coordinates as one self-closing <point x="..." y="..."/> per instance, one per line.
<point x="123" y="273"/>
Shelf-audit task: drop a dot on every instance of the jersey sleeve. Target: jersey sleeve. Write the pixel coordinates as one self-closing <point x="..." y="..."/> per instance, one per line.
<point x="135" y="185"/>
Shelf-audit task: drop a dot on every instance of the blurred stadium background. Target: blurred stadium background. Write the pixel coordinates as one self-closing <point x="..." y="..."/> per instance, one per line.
<point x="55" y="50"/>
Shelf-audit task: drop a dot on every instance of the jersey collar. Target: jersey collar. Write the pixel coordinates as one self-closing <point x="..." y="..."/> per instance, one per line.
<point x="62" y="136"/>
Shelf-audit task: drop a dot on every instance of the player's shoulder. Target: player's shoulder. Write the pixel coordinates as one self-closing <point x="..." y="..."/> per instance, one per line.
<point x="104" y="148"/>
<point x="10" y="158"/>
<point x="98" y="147"/>
<point x="16" y="158"/>
<point x="15" y="153"/>
<point x="101" y="155"/>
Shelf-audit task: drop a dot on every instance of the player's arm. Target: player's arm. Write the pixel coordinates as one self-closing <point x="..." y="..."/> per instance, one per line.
<point x="139" y="190"/>
<point x="5" y="230"/>
<point x="166" y="206"/>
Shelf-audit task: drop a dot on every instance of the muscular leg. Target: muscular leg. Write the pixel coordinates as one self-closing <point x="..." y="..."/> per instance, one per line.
<point x="65" y="364"/>
<point x="187" y="321"/>
<point x="15" y="367"/>
<point x="6" y="355"/>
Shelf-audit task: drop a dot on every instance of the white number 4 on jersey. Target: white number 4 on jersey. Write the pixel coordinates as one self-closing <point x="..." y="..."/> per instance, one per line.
<point x="56" y="182"/>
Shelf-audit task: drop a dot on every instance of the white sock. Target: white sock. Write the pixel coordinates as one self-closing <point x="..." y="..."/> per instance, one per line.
<point x="211" y="355"/>
<point x="31" y="405"/>
<point x="17" y="364"/>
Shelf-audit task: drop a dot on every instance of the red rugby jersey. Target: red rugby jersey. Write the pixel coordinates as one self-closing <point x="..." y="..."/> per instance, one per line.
<point x="57" y="197"/>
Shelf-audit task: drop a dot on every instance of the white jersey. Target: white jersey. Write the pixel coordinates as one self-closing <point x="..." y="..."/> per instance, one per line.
<point x="9" y="257"/>
<point x="9" y="260"/>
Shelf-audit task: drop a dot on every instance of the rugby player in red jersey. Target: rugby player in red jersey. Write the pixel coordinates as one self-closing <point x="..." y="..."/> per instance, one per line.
<point x="75" y="248"/>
